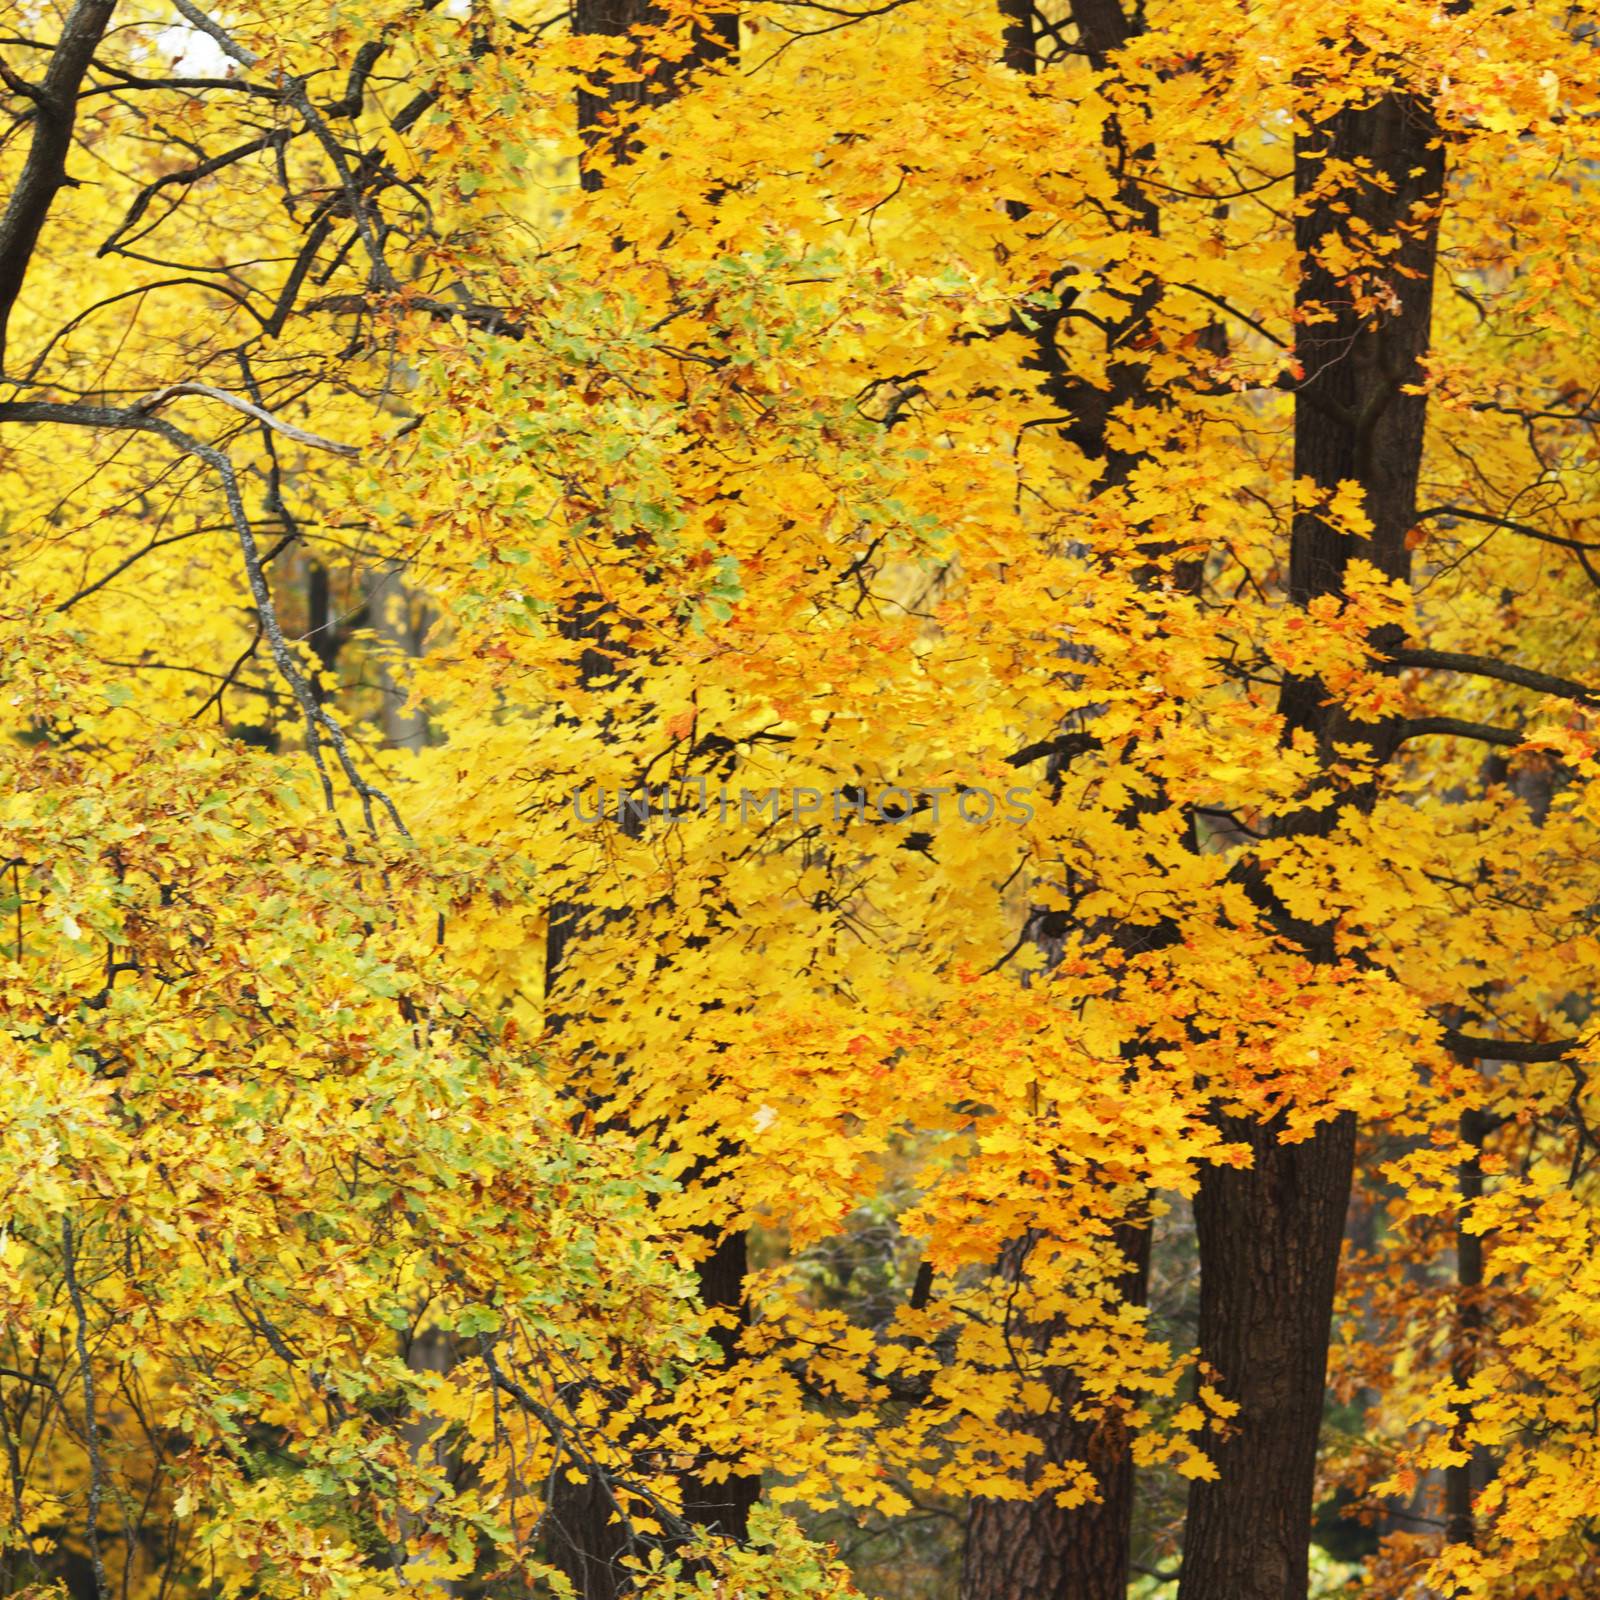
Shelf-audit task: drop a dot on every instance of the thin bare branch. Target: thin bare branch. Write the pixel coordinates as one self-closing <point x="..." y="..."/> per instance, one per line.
<point x="300" y="435"/>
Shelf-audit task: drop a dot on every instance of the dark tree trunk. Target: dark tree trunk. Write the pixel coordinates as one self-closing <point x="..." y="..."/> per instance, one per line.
<point x="1269" y="1251"/>
<point x="724" y="1507"/>
<point x="1462" y="1481"/>
<point x="586" y="1542"/>
<point x="1269" y="1237"/>
<point x="1035" y="1549"/>
<point x="1352" y="422"/>
<point x="44" y="171"/>
<point x="717" y="40"/>
<point x="1018" y="49"/>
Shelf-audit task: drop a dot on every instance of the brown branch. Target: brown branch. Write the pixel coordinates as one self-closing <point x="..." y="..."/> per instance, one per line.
<point x="126" y="562"/>
<point x="1065" y="745"/>
<point x="1527" y="530"/>
<point x="192" y="14"/>
<point x="1525" y="1050"/>
<point x="237" y="296"/>
<point x="201" y="169"/>
<point x="1503" y="671"/>
<point x="1456" y="728"/>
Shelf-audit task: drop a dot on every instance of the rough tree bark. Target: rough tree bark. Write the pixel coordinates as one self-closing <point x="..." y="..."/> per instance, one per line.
<point x="1270" y="1236"/>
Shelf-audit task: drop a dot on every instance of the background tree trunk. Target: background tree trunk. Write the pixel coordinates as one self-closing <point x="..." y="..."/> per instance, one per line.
<point x="587" y="1543"/>
<point x="724" y="1507"/>
<point x="1462" y="1482"/>
<point x="1036" y="1549"/>
<point x="398" y="630"/>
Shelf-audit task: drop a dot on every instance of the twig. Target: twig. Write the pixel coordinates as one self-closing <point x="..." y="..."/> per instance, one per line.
<point x="1526" y="1050"/>
<point x="1456" y="728"/>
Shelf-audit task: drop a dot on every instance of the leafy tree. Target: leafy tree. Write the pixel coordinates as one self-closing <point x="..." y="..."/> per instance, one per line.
<point x="1070" y="522"/>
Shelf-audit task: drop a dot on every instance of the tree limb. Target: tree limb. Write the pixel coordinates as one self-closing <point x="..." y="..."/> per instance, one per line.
<point x="1065" y="745"/>
<point x="318" y="722"/>
<point x="45" y="170"/>
<point x="1525" y="1050"/>
<point x="1504" y="671"/>
<point x="1457" y="728"/>
<point x="315" y="440"/>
